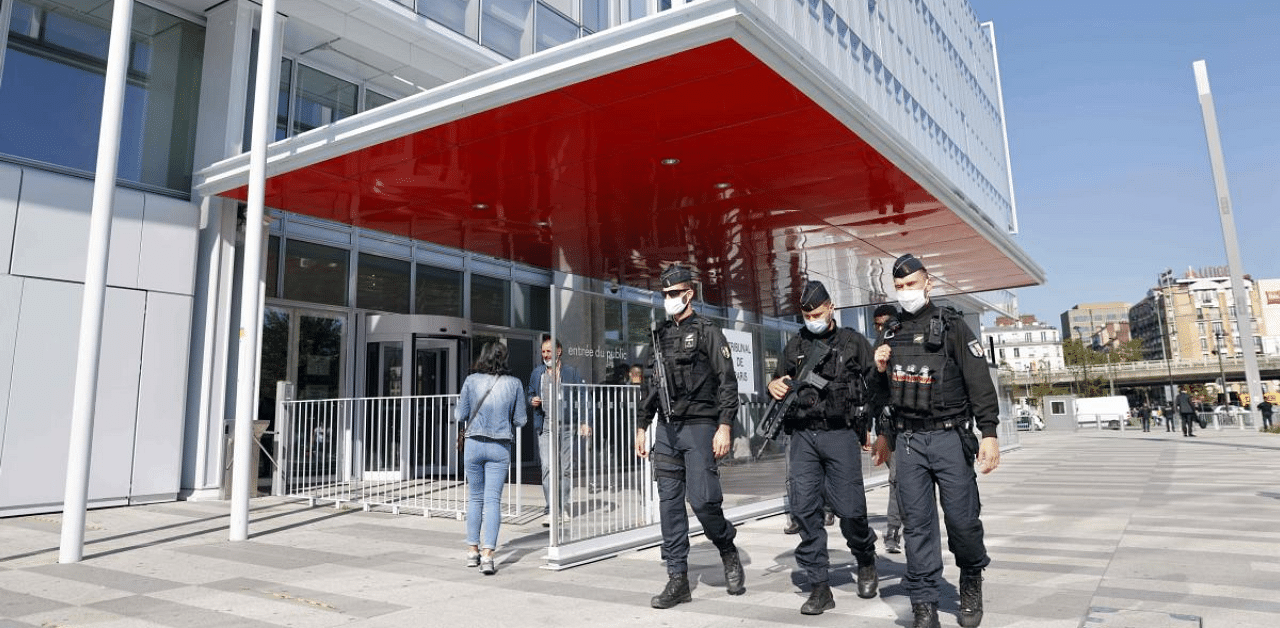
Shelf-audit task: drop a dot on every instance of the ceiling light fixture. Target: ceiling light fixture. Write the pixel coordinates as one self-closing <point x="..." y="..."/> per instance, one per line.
<point x="723" y="185"/>
<point x="670" y="161"/>
<point x="480" y="206"/>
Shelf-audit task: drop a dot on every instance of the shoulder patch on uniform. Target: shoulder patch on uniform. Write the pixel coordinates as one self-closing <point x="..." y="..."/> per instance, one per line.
<point x="975" y="347"/>
<point x="725" y="350"/>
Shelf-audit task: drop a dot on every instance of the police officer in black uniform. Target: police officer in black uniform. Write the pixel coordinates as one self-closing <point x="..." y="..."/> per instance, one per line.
<point x="936" y="376"/>
<point x="704" y="405"/>
<point x="827" y="427"/>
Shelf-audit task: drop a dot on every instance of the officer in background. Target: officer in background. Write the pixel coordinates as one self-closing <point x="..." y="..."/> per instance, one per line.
<point x="881" y="317"/>
<point x="704" y="405"/>
<point x="937" y="379"/>
<point x="827" y="428"/>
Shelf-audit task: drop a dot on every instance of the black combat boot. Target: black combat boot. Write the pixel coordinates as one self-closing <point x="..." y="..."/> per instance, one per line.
<point x="970" y="598"/>
<point x="677" y="591"/>
<point x="793" y="526"/>
<point x="926" y="615"/>
<point x="819" y="600"/>
<point x="734" y="579"/>
<point x="868" y="580"/>
<point x="893" y="540"/>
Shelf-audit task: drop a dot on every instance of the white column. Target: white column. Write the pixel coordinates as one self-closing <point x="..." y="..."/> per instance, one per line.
<point x="250" y="300"/>
<point x="76" y="498"/>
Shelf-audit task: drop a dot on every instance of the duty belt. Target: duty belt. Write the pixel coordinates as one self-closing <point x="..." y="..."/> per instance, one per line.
<point x="816" y="424"/>
<point x="929" y="425"/>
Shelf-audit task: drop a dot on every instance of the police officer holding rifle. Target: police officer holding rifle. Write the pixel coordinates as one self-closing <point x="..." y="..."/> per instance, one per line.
<point x="936" y="376"/>
<point x="821" y="396"/>
<point x="694" y="392"/>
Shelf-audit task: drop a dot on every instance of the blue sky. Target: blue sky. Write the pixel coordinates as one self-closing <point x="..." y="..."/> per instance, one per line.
<point x="1110" y="163"/>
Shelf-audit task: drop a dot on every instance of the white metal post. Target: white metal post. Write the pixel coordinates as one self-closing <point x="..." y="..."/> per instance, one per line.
<point x="1244" y="311"/>
<point x="250" y="295"/>
<point x="551" y="422"/>
<point x="75" y="499"/>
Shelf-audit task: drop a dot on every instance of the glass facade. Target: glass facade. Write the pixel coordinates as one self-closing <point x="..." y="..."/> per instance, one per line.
<point x="438" y="291"/>
<point x="315" y="273"/>
<point x="321" y="99"/>
<point x="490" y="301"/>
<point x="51" y="93"/>
<point x="382" y="284"/>
<point x="514" y="28"/>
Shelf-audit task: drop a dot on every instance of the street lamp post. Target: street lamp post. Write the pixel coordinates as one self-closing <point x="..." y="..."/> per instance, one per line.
<point x="1165" y="336"/>
<point x="1111" y="374"/>
<point x="1226" y="398"/>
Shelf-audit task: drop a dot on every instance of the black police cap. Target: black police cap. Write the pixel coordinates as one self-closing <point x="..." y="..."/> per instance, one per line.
<point x="813" y="295"/>
<point x="675" y="274"/>
<point x="906" y="265"/>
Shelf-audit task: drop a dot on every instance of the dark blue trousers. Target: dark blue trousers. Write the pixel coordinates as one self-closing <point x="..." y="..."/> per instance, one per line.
<point x="685" y="466"/>
<point x="932" y="468"/>
<point x="828" y="463"/>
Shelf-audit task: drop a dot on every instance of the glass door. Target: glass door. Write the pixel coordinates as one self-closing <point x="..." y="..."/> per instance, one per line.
<point x="305" y="347"/>
<point x="381" y="425"/>
<point x="436" y="368"/>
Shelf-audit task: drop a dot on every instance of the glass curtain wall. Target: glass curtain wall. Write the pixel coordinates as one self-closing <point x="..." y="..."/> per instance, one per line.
<point x="51" y="93"/>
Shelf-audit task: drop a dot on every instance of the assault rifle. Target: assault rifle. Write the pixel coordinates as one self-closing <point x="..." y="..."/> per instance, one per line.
<point x="660" y="375"/>
<point x="779" y="409"/>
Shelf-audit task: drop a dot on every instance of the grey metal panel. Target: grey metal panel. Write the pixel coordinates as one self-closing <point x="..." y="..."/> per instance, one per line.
<point x="40" y="395"/>
<point x="39" y="410"/>
<point x="116" y="409"/>
<point x="157" y="447"/>
<point x="10" y="298"/>
<point x="52" y="230"/>
<point x="167" y="256"/>
<point x="10" y="184"/>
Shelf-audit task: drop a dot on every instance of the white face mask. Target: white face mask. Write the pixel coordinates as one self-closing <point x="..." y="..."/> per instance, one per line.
<point x="547" y="362"/>
<point x="912" y="300"/>
<point x="674" y="306"/>
<point x="819" y="326"/>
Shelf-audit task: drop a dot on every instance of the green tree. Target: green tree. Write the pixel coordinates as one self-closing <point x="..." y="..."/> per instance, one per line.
<point x="1130" y="351"/>
<point x="1086" y="367"/>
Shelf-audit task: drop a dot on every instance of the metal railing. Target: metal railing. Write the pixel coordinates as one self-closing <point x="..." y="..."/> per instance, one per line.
<point x="391" y="453"/>
<point x="399" y="454"/>
<point x="609" y="486"/>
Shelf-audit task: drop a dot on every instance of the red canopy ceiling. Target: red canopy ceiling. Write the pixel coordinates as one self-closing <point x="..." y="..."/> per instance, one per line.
<point x="768" y="188"/>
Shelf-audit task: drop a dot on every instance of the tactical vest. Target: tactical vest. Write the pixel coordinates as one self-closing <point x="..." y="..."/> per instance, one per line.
<point x="688" y="368"/>
<point x="924" y="380"/>
<point x="843" y="391"/>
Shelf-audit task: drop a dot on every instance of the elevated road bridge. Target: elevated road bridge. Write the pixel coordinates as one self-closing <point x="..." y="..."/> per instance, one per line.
<point x="1150" y="372"/>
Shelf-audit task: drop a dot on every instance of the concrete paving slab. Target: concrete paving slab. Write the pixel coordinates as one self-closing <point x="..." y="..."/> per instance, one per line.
<point x="1151" y="525"/>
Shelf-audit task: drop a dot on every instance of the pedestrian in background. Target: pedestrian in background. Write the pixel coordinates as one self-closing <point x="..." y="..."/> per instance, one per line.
<point x="1188" y="412"/>
<point x="935" y="374"/>
<point x="1266" y="408"/>
<point x="489" y="414"/>
<point x="545" y="385"/>
<point x="703" y="391"/>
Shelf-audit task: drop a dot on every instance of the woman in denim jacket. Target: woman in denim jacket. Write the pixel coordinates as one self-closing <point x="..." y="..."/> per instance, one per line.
<point x="490" y="410"/>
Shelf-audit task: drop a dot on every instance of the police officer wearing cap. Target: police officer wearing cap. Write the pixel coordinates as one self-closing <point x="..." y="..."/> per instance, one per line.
<point x="936" y="377"/>
<point x="704" y="404"/>
<point x="824" y="454"/>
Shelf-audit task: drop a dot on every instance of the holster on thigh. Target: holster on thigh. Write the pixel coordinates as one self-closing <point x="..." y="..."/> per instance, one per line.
<point x="665" y="466"/>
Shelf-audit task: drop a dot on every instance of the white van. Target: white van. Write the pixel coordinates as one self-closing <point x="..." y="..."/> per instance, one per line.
<point x="1098" y="412"/>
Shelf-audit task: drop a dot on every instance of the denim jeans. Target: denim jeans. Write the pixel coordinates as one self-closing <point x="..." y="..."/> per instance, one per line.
<point x="486" y="462"/>
<point x="567" y="437"/>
